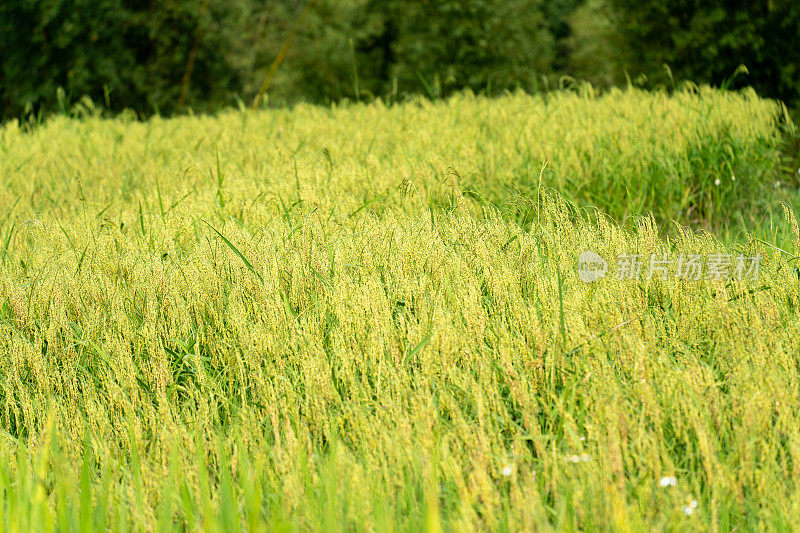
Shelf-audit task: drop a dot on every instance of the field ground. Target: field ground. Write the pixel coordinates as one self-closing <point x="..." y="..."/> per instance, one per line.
<point x="372" y="318"/>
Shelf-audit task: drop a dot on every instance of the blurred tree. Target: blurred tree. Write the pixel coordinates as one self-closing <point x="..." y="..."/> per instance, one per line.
<point x="126" y="53"/>
<point x="557" y="14"/>
<point x="594" y="49"/>
<point x="170" y="54"/>
<point x="364" y="48"/>
<point x="454" y="44"/>
<point x="45" y="45"/>
<point x="321" y="65"/>
<point x="708" y="40"/>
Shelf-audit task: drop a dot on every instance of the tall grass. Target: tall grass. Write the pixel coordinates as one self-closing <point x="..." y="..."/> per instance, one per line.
<point x="370" y="318"/>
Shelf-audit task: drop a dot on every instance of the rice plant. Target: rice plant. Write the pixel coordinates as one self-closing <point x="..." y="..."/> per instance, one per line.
<point x="373" y="318"/>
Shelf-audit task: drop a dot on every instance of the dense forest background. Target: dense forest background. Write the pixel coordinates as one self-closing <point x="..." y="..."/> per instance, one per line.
<point x="173" y="55"/>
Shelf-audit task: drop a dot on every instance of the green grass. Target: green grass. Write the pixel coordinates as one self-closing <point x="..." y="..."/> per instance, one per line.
<point x="370" y="318"/>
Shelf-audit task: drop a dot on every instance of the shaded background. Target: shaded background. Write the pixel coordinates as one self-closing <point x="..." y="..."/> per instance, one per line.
<point x="173" y="55"/>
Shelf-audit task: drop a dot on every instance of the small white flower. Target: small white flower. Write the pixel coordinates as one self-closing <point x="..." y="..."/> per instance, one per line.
<point x="690" y="507"/>
<point x="717" y="182"/>
<point x="581" y="438"/>
<point x="668" y="481"/>
<point x="507" y="470"/>
<point x="733" y="177"/>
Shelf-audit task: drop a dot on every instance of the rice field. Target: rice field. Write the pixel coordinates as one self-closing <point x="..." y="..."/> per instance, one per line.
<point x="378" y="318"/>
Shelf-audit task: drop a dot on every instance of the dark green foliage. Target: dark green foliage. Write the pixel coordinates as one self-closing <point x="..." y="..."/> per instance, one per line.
<point x="388" y="48"/>
<point x="172" y="55"/>
<point x="320" y="64"/>
<point x="708" y="40"/>
<point x="123" y="53"/>
<point x="594" y="49"/>
<point x="52" y="44"/>
<point x="454" y="44"/>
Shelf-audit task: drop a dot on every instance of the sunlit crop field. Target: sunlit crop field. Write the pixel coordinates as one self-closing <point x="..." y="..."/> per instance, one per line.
<point x="373" y="318"/>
